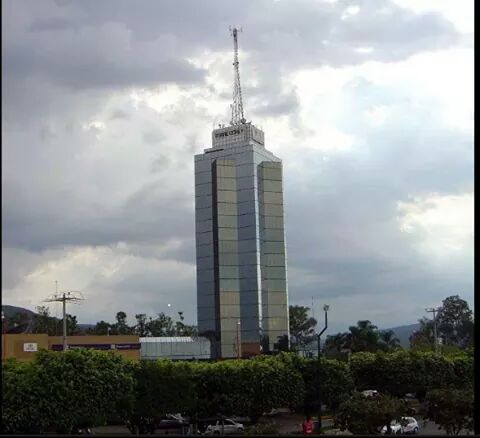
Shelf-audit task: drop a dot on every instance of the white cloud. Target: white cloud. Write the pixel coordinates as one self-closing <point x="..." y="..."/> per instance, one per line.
<point x="443" y="224"/>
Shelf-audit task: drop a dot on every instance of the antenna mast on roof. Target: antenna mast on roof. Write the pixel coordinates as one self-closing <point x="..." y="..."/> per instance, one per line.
<point x="63" y="298"/>
<point x="237" y="105"/>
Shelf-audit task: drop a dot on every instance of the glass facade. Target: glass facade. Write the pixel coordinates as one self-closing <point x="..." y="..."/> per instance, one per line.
<point x="242" y="296"/>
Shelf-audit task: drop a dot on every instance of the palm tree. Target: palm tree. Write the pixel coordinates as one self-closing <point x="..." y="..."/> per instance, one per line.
<point x="388" y="340"/>
<point x="337" y="345"/>
<point x="364" y="337"/>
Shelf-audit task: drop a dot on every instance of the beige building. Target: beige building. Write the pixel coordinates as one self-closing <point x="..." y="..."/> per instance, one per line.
<point x="23" y="346"/>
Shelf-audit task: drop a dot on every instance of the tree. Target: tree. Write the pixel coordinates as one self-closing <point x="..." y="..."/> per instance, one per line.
<point x="361" y="415"/>
<point x="455" y="326"/>
<point x="72" y="325"/>
<point x="364" y="337"/>
<point x="121" y="327"/>
<point x="43" y="322"/>
<point x="141" y="326"/>
<point x="388" y="341"/>
<point x="451" y="409"/>
<point x="101" y="328"/>
<point x="423" y="339"/>
<point x="84" y="386"/>
<point x="18" y="319"/>
<point x="302" y="327"/>
<point x="338" y="346"/>
<point x="455" y="322"/>
<point x="161" y="326"/>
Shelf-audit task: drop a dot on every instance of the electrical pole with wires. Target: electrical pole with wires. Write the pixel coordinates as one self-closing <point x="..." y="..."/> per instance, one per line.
<point x="63" y="298"/>
<point x="435" y="339"/>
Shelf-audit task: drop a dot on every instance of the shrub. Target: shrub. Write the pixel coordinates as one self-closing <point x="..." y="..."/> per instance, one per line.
<point x="361" y="415"/>
<point x="62" y="392"/>
<point x="452" y="409"/>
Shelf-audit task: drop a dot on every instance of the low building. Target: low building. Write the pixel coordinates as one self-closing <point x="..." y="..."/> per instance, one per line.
<point x="23" y="346"/>
<point x="175" y="348"/>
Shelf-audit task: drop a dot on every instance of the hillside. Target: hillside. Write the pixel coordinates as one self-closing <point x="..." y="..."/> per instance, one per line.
<point x="9" y="311"/>
<point x="404" y="332"/>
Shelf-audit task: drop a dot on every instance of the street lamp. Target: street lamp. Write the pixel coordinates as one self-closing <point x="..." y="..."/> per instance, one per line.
<point x="325" y="309"/>
<point x="3" y="335"/>
<point x="239" y="347"/>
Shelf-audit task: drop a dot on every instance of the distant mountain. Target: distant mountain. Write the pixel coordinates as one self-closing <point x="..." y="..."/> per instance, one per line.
<point x="9" y="311"/>
<point x="404" y="332"/>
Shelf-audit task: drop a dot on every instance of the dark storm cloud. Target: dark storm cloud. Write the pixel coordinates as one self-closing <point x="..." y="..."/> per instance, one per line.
<point x="64" y="187"/>
<point x="91" y="44"/>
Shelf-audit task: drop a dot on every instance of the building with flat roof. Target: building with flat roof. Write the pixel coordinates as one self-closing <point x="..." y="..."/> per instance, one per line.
<point x="23" y="346"/>
<point x="242" y="300"/>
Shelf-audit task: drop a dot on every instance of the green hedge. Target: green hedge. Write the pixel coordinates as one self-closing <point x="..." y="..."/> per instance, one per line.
<point x="401" y="372"/>
<point x="59" y="392"/>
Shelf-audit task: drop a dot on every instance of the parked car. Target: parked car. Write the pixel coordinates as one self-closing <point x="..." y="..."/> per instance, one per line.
<point x="229" y="427"/>
<point x="407" y="425"/>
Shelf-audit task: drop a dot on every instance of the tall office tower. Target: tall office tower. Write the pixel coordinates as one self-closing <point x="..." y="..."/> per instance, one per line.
<point x="242" y="299"/>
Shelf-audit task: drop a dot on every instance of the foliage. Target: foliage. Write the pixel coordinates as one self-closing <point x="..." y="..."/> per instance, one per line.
<point x="451" y="409"/>
<point x="336" y="383"/>
<point x="361" y="415"/>
<point x="162" y="387"/>
<point x="141" y="326"/>
<point x="62" y="392"/>
<point x="455" y="326"/>
<point x="42" y="322"/>
<point x="409" y="371"/>
<point x="247" y="387"/>
<point x="338" y="346"/>
<point x="16" y="320"/>
<point x="455" y="322"/>
<point x="364" y="337"/>
<point x="162" y="325"/>
<point x="302" y="327"/>
<point x="121" y="327"/>
<point x="101" y="328"/>
<point x="388" y="341"/>
<point x="89" y="386"/>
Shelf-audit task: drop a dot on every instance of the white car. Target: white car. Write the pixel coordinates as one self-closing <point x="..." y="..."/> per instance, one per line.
<point x="407" y="425"/>
<point x="370" y="393"/>
<point x="230" y="427"/>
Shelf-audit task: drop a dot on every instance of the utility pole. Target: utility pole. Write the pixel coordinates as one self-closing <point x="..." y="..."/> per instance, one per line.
<point x="63" y="298"/>
<point x="325" y="309"/>
<point x="434" y="311"/>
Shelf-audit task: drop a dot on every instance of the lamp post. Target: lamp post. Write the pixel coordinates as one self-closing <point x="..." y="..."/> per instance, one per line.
<point x="4" y="331"/>
<point x="239" y="346"/>
<point x="325" y="309"/>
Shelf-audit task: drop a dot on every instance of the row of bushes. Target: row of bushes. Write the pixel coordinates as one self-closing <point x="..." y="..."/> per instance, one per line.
<point x="61" y="392"/>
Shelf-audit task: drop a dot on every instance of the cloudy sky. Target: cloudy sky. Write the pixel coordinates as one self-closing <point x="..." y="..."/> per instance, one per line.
<point x="369" y="103"/>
